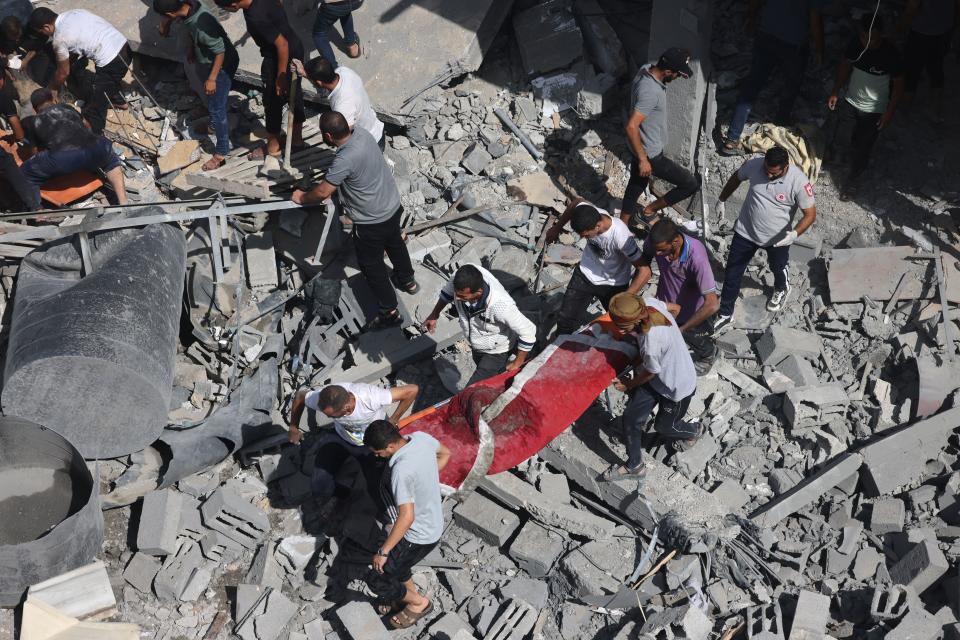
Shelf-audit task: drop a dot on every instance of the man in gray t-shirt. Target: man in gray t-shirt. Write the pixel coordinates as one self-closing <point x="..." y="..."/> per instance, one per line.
<point x="646" y="131"/>
<point x="413" y="495"/>
<point x="777" y="190"/>
<point x="369" y="196"/>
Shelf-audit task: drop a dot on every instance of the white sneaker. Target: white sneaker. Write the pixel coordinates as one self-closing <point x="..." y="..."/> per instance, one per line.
<point x="721" y="322"/>
<point x="778" y="298"/>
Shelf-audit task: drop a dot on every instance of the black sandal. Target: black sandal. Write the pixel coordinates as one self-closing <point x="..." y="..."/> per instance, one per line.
<point x="730" y="148"/>
<point x="384" y="321"/>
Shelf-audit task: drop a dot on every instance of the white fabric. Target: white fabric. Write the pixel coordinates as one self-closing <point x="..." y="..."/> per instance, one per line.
<point x="665" y="354"/>
<point x="86" y="34"/>
<point x="350" y="99"/>
<point x="415" y="478"/>
<point x="372" y="402"/>
<point x="609" y="256"/>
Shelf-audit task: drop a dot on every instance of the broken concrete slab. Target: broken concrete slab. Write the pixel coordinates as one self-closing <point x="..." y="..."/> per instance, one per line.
<point x="176" y="571"/>
<point x="811" y="617"/>
<point x="537" y="189"/>
<point x="362" y="622"/>
<point x="548" y="37"/>
<point x="875" y="272"/>
<point x="811" y="489"/>
<point x="536" y="549"/>
<point x="261" y="260"/>
<point x="809" y="407"/>
<point x="921" y="567"/>
<point x="487" y="520"/>
<point x="778" y="342"/>
<point x="267" y="619"/>
<point x="141" y="570"/>
<point x="80" y="593"/>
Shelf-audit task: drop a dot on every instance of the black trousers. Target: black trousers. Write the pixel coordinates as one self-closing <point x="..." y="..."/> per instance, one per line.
<point x="578" y="296"/>
<point x="104" y="89"/>
<point x="27" y="194"/>
<point x="370" y="241"/>
<point x="488" y="365"/>
<point x="272" y="103"/>
<point x="925" y="54"/>
<point x="858" y="130"/>
<point x="331" y="455"/>
<point x="685" y="183"/>
<point x="398" y="569"/>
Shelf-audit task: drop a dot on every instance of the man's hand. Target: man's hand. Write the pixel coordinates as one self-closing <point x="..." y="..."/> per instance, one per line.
<point x="514" y="364"/>
<point x="645" y="167"/>
<point x="210" y="86"/>
<point x="885" y="119"/>
<point x="378" y="562"/>
<point x="298" y="67"/>
<point x="283" y="83"/>
<point x="430" y="324"/>
<point x="297" y="196"/>
<point x="720" y="207"/>
<point x="620" y="385"/>
<point x="294" y="434"/>
<point x="832" y="102"/>
<point x="553" y="233"/>
<point x="787" y="239"/>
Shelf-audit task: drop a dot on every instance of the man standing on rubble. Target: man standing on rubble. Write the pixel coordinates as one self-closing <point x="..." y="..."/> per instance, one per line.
<point x="489" y="318"/>
<point x="777" y="190"/>
<point x="646" y="131"/>
<point x="88" y="36"/>
<point x="414" y="504"/>
<point x="686" y="285"/>
<point x="663" y="377"/>
<point x="267" y="24"/>
<point x="353" y="407"/>
<point x="370" y="198"/>
<point x="606" y="267"/>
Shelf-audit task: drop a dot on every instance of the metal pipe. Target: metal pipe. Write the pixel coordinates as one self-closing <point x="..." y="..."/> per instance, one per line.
<point x="524" y="140"/>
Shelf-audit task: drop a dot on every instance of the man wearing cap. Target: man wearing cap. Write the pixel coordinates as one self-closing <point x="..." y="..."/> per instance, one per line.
<point x="646" y="131"/>
<point x="663" y="376"/>
<point x="686" y="285"/>
<point x="777" y="190"/>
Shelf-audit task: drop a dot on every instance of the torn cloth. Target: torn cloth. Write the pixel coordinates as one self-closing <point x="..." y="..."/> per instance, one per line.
<point x="804" y="144"/>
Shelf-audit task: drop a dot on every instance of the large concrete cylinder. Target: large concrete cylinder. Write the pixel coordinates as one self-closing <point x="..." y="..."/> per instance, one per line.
<point x="92" y="355"/>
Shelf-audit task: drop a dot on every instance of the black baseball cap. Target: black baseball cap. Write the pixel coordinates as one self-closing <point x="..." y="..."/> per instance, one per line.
<point x="675" y="59"/>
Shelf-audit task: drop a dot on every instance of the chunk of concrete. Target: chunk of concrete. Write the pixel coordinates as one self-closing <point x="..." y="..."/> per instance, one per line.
<point x="269" y="618"/>
<point x="536" y="549"/>
<point x="887" y="516"/>
<point x="476" y="159"/>
<point x="548" y="36"/>
<point x="811" y="617"/>
<point x="225" y="511"/>
<point x="261" y="260"/>
<point x="514" y="622"/>
<point x="918" y="624"/>
<point x="450" y="626"/>
<point x="799" y="370"/>
<point x="778" y="342"/>
<point x="176" y="571"/>
<point x="731" y="494"/>
<point x="421" y="246"/>
<point x="832" y="473"/>
<point x="80" y="593"/>
<point x="140" y="572"/>
<point x="809" y="407"/>
<point x="735" y="343"/>
<point x="694" y="460"/>
<point x="921" y="568"/>
<point x="159" y="523"/>
<point x="361" y="621"/>
<point x="487" y="520"/>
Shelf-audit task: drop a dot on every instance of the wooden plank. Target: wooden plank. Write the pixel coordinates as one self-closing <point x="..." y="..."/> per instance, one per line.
<point x="876" y="271"/>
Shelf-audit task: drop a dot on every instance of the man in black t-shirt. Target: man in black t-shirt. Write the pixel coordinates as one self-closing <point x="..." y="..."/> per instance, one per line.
<point x="873" y="72"/>
<point x="267" y="24"/>
<point x="8" y="106"/>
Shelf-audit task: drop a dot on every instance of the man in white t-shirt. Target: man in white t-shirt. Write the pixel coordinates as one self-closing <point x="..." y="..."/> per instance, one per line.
<point x="353" y="406"/>
<point x="607" y="265"/>
<point x="346" y="94"/>
<point x="663" y="377"/>
<point x="83" y="35"/>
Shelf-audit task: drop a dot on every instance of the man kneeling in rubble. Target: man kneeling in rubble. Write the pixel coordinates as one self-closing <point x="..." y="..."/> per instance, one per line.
<point x="353" y="407"/>
<point x="663" y="377"/>
<point x="66" y="146"/>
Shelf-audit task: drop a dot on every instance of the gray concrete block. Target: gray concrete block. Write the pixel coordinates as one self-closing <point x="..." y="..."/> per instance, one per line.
<point x="799" y="370"/>
<point x="265" y="571"/>
<point x="536" y="549"/>
<point x="362" y="622"/>
<point x="809" y="407"/>
<point x="555" y="486"/>
<point x="585" y="577"/>
<point x="833" y="472"/>
<point x="191" y="524"/>
<point x="731" y="494"/>
<point x="159" y="522"/>
<point x="219" y="548"/>
<point x="782" y="480"/>
<point x="548" y="37"/>
<point x="811" y="617"/>
<point x="514" y="621"/>
<point x="317" y="629"/>
<point x="196" y="585"/>
<point x="694" y="460"/>
<point x="918" y="624"/>
<point x="487" y="520"/>
<point x="476" y="159"/>
<point x="140" y="571"/>
<point x="533" y="592"/>
<point x="887" y="516"/>
<point x="225" y="511"/>
<point x="450" y="626"/>
<point x="735" y="343"/>
<point x="921" y="568"/>
<point x="778" y="342"/>
<point x="270" y="617"/>
<point x="176" y="572"/>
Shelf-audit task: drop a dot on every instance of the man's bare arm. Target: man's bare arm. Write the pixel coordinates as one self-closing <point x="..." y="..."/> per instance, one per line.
<point x="711" y="302"/>
<point x="296" y="412"/>
<point x="443" y="457"/>
<point x="406" y="395"/>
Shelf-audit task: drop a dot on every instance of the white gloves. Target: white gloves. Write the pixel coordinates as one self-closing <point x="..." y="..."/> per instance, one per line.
<point x="719" y="208"/>
<point x="787" y="239"/>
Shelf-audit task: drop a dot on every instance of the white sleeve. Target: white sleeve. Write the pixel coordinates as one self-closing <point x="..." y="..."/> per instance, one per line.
<point x="60" y="49"/>
<point x="521" y="325"/>
<point x="312" y="400"/>
<point x="382" y="396"/>
<point x="349" y="106"/>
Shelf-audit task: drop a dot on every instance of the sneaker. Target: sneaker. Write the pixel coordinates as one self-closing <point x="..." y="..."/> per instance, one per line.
<point x="720" y="322"/>
<point x="777" y="299"/>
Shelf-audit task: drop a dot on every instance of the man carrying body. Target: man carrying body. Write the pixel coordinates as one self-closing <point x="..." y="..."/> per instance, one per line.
<point x="217" y="58"/>
<point x="414" y="499"/>
<point x="777" y="190"/>
<point x="646" y="131"/>
<point x="606" y="267"/>
<point x="362" y="179"/>
<point x="267" y="24"/>
<point x="346" y="94"/>
<point x="663" y="377"/>
<point x="489" y="318"/>
<point x="66" y="145"/>
<point x="353" y="407"/>
<point x="686" y="284"/>
<point x="88" y="36"/>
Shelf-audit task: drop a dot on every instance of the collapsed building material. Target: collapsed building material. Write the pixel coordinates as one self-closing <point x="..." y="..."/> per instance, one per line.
<point x="362" y="622"/>
<point x="808" y="407"/>
<point x="921" y="567"/>
<point x="811" y="617"/>
<point x="141" y="570"/>
<point x="79" y="339"/>
<point x="43" y="622"/>
<point x="229" y="514"/>
<point x="262" y="612"/>
<point x="50" y="518"/>
<point x="176" y="571"/>
<point x="486" y="519"/>
<point x="830" y="475"/>
<point x="778" y="342"/>
<point x="80" y="593"/>
<point x="159" y="523"/>
<point x="876" y="271"/>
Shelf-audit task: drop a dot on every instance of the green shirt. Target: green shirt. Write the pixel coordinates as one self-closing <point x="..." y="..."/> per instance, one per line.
<point x="210" y="40"/>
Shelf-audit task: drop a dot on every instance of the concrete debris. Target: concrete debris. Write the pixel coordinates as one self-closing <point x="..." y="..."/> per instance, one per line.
<point x="81" y="593"/>
<point x="229" y="514"/>
<point x="361" y="622"/>
<point x="159" y="523"/>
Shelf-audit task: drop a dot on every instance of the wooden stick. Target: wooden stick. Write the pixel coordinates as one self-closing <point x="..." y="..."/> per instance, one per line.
<point x="664" y="560"/>
<point x="446" y="219"/>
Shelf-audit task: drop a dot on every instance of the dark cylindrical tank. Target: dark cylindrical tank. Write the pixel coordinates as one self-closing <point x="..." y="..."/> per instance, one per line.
<point x="92" y="355"/>
<point x="50" y="518"/>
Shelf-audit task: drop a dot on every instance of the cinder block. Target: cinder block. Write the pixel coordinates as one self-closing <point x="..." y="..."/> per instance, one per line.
<point x="799" y="370"/>
<point x="219" y="548"/>
<point x="191" y="524"/>
<point x="782" y="480"/>
<point x="921" y="567"/>
<point x="140" y="571"/>
<point x="225" y="511"/>
<point x="887" y="516"/>
<point x="918" y="624"/>
<point x="176" y="572"/>
<point x="487" y="520"/>
<point x="778" y="342"/>
<point x="735" y="343"/>
<point x="362" y="622"/>
<point x="808" y="407"/>
<point x="159" y="522"/>
<point x="811" y="617"/>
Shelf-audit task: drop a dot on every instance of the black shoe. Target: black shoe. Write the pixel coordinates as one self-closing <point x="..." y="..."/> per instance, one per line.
<point x="384" y="321"/>
<point x="411" y="287"/>
<point x="720" y="322"/>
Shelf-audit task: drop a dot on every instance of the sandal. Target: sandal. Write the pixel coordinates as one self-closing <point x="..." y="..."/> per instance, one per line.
<point x="359" y="49"/>
<point x="687" y="443"/>
<point x="406" y="618"/>
<point x="390" y="609"/>
<point x="730" y="148"/>
<point x="384" y="321"/>
<point x="411" y="287"/>
<point x="261" y="152"/>
<point x="623" y="472"/>
<point x="215" y="162"/>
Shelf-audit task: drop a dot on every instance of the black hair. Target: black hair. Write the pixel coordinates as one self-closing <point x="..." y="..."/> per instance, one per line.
<point x="584" y="218"/>
<point x="320" y="70"/>
<point x="333" y="397"/>
<point x="664" y="231"/>
<point x="40" y="96"/>
<point x="11" y="29"/>
<point x="467" y="277"/>
<point x="41" y="17"/>
<point x="868" y="18"/>
<point x="381" y="434"/>
<point x="225" y="3"/>
<point x="776" y="157"/>
<point x="333" y="123"/>
<point x="167" y="6"/>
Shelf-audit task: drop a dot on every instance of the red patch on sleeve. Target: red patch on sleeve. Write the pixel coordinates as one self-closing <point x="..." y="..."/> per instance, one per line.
<point x="809" y="189"/>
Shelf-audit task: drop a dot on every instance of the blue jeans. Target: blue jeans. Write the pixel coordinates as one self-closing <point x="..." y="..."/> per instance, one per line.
<point x="327" y="16"/>
<point x="741" y="253"/>
<point x="217" y="106"/>
<point x="668" y="423"/>
<point x="50" y="164"/>
<point x="769" y="54"/>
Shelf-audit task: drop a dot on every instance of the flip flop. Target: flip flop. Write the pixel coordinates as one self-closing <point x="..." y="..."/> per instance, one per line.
<point x="215" y="162"/>
<point x="406" y="618"/>
<point x="261" y="152"/>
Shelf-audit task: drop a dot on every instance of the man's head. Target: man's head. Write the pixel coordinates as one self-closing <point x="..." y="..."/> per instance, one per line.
<point x="335" y="128"/>
<point x="674" y="63"/>
<point x="383" y="438"/>
<point x="320" y="72"/>
<point x="336" y="402"/>
<point x="172" y="8"/>
<point x="11" y="33"/>
<point x="468" y="283"/>
<point x="870" y="29"/>
<point x="666" y="239"/>
<point x="233" y="5"/>
<point x="776" y="162"/>
<point x="41" y="99"/>
<point x="627" y="310"/>
<point x="42" y="22"/>
<point x="586" y="221"/>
